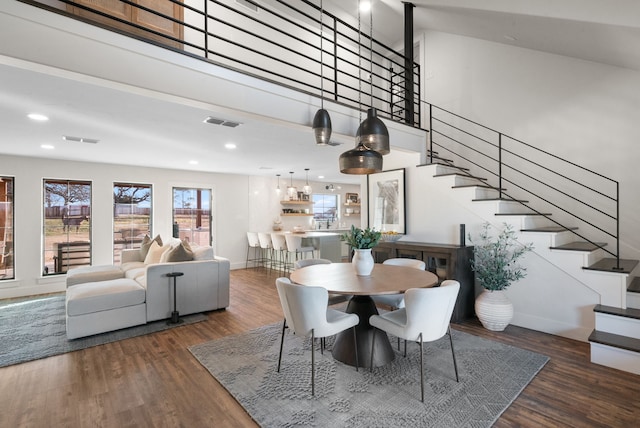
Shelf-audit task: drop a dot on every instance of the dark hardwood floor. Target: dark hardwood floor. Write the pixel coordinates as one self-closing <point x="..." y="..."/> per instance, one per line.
<point x="153" y="381"/>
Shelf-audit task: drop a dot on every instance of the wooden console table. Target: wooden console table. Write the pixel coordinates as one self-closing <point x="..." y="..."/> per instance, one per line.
<point x="446" y="261"/>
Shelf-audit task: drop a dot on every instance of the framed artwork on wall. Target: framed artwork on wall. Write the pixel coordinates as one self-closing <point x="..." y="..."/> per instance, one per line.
<point x="386" y="201"/>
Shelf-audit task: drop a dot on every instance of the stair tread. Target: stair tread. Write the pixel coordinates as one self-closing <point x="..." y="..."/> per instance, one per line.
<point x="443" y="164"/>
<point x="609" y="265"/>
<point x="530" y="213"/>
<point x="612" y="310"/>
<point x="449" y="174"/>
<point x="522" y="201"/>
<point x="615" y="340"/>
<point x="580" y="246"/>
<point x="484" y="186"/>
<point x="550" y="229"/>
<point x="634" y="287"/>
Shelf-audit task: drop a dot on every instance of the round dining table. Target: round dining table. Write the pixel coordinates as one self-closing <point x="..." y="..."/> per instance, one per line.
<point x="340" y="278"/>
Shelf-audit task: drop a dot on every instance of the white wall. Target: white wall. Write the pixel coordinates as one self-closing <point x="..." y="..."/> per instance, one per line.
<point x="230" y="212"/>
<point x="240" y="203"/>
<point x="583" y="111"/>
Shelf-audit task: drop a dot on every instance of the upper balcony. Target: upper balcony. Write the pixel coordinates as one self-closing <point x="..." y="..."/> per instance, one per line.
<point x="293" y="44"/>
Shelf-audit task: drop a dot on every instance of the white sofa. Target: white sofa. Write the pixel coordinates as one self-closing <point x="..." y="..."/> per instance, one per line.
<point x="105" y="298"/>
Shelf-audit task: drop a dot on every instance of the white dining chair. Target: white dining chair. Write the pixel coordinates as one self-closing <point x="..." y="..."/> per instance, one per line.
<point x="426" y="317"/>
<point x="396" y="301"/>
<point x="306" y="314"/>
<point x="334" y="299"/>
<point x="253" y="243"/>
<point x="266" y="248"/>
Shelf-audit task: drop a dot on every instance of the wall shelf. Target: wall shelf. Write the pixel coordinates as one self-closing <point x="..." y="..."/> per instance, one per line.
<point x="295" y="202"/>
<point x="295" y="215"/>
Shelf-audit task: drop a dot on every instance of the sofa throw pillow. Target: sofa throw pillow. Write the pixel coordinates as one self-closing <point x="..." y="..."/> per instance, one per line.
<point x="146" y="244"/>
<point x="203" y="253"/>
<point x="154" y="254"/>
<point x="180" y="253"/>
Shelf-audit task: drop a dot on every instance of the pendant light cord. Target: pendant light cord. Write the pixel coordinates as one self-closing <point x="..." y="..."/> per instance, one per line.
<point x="371" y="54"/>
<point x="359" y="67"/>
<point x="321" y="58"/>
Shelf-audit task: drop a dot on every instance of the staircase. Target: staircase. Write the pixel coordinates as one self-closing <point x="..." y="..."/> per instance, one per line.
<point x="615" y="341"/>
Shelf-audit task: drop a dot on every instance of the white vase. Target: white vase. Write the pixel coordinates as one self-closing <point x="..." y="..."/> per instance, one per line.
<point x="363" y="262"/>
<point x="494" y="310"/>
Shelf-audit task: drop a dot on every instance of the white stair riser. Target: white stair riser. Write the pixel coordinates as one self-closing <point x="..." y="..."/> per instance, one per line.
<point x="633" y="300"/>
<point x="616" y="358"/>
<point x="623" y="326"/>
<point x="525" y="221"/>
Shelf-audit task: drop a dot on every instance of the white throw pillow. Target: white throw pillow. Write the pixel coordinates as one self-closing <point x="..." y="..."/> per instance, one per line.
<point x="155" y="253"/>
<point x="202" y="253"/>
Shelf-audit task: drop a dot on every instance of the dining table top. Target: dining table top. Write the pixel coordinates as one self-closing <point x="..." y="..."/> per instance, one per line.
<point x="341" y="278"/>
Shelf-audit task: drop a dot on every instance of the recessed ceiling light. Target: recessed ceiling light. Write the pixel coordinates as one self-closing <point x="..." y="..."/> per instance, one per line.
<point x="365" y="6"/>
<point x="193" y="162"/>
<point x="321" y="176"/>
<point x="230" y="146"/>
<point x="223" y="122"/>
<point x="80" y="139"/>
<point x="47" y="146"/>
<point x="37" y="116"/>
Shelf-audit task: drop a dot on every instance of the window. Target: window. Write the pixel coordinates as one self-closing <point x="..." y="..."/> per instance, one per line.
<point x="192" y="215"/>
<point x="131" y="216"/>
<point x="325" y="207"/>
<point x="6" y="228"/>
<point x="66" y="225"/>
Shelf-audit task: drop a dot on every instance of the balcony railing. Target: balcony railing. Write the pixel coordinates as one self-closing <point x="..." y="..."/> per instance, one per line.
<point x="280" y="42"/>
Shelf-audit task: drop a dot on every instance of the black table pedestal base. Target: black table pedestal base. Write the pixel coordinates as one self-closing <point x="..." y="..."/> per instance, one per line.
<point x="343" y="350"/>
<point x="175" y="315"/>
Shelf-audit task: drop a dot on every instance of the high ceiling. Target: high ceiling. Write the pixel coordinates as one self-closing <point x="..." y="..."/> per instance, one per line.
<point x="134" y="128"/>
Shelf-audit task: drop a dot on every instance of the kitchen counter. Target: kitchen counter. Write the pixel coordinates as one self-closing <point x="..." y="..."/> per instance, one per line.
<point x="326" y="242"/>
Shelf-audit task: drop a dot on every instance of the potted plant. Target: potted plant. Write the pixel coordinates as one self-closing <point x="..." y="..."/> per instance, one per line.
<point x="496" y="267"/>
<point x="362" y="241"/>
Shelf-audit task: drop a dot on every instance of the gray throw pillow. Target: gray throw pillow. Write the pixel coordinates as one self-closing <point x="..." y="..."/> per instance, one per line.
<point x="180" y="253"/>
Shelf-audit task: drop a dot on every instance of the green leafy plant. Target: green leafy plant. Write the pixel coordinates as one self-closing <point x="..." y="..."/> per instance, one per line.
<point x="495" y="260"/>
<point x="361" y="239"/>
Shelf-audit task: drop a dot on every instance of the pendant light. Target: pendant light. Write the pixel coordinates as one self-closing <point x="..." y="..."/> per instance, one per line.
<point x="322" y="121"/>
<point x="292" y="192"/>
<point x="372" y="132"/>
<point x="278" y="190"/>
<point x="307" y="188"/>
<point x="361" y="160"/>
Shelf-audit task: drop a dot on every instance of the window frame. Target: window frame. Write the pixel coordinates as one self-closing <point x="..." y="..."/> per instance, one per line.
<point x="79" y="213"/>
<point x="7" y="252"/>
<point x="130" y="240"/>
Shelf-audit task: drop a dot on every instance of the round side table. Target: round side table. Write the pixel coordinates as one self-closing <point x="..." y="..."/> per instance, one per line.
<point x="175" y="315"/>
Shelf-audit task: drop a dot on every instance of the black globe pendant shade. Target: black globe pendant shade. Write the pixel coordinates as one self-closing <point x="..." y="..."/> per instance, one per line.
<point x="373" y="133"/>
<point x="322" y="127"/>
<point x="360" y="160"/>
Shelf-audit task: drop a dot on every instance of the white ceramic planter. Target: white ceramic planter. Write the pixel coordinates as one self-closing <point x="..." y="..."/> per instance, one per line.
<point x="494" y="310"/>
<point x="363" y="262"/>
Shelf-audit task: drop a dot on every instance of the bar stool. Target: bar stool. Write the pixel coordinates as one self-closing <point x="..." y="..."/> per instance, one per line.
<point x="253" y="243"/>
<point x="266" y="248"/>
<point x="280" y="252"/>
<point x="294" y="244"/>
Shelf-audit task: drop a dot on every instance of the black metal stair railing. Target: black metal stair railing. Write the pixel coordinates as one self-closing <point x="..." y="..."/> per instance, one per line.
<point x="580" y="198"/>
<point x="280" y="44"/>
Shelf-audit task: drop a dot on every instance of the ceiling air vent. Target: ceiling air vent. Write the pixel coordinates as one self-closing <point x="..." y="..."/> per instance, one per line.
<point x="216" y="121"/>
<point x="248" y="4"/>
<point x="80" y="139"/>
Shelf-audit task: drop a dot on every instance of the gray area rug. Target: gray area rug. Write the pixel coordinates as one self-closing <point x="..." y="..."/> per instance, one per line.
<point x="492" y="375"/>
<point x="35" y="328"/>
